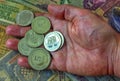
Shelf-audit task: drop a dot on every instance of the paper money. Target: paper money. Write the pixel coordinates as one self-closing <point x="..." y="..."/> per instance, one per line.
<point x="59" y="76"/>
<point x="39" y="5"/>
<point x="108" y="6"/>
<point x="3" y="38"/>
<point x="93" y="4"/>
<point x="8" y="12"/>
<point x="101" y="7"/>
<point x="10" y="71"/>
<point x="77" y="3"/>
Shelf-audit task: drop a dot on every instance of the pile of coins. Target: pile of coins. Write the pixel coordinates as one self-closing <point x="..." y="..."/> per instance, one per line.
<point x="39" y="58"/>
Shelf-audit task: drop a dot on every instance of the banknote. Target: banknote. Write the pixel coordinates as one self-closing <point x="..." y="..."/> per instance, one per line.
<point x="3" y="38"/>
<point x="77" y="3"/>
<point x="108" y="6"/>
<point x="10" y="71"/>
<point x="39" y="5"/>
<point x="101" y="7"/>
<point x="10" y="8"/>
<point x="8" y="12"/>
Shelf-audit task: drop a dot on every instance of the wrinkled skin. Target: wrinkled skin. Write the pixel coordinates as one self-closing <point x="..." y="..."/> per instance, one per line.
<point x="91" y="45"/>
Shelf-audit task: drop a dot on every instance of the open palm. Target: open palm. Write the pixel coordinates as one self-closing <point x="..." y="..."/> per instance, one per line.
<point x="89" y="41"/>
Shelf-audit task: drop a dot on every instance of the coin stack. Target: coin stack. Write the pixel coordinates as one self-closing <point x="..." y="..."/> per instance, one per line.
<point x="39" y="58"/>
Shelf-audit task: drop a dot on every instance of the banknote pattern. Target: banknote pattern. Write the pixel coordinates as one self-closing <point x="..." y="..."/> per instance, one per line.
<point x="3" y="38"/>
<point x="10" y="71"/>
<point x="8" y="12"/>
<point x="38" y="5"/>
<point x="101" y="7"/>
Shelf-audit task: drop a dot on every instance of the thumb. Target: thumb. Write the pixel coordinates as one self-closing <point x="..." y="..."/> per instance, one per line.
<point x="66" y="11"/>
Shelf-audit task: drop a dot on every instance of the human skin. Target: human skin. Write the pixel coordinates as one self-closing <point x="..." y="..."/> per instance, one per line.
<point x="91" y="45"/>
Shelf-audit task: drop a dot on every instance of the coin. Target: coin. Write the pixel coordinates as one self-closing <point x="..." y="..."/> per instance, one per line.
<point x="33" y="39"/>
<point x="52" y="41"/>
<point x="41" y="25"/>
<point x="24" y="18"/>
<point x="62" y="38"/>
<point x="23" y="48"/>
<point x="39" y="59"/>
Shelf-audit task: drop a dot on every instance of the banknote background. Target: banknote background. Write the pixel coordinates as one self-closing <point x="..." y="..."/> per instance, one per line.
<point x="10" y="71"/>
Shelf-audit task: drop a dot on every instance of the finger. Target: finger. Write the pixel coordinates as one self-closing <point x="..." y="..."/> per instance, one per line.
<point x="15" y="30"/>
<point x="66" y="11"/>
<point x="23" y="62"/>
<point x="12" y="44"/>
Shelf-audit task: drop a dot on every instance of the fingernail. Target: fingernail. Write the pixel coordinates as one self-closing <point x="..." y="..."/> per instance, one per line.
<point x="13" y="30"/>
<point x="12" y="44"/>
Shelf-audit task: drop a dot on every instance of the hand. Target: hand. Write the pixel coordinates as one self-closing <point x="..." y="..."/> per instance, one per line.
<point x="90" y="43"/>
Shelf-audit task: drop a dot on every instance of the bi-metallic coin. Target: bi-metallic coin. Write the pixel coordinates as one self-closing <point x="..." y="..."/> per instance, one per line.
<point x="52" y="41"/>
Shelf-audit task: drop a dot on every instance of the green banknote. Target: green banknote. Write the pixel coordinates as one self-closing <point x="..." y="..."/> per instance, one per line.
<point x="10" y="8"/>
<point x="39" y="5"/>
<point x="78" y="3"/>
<point x="8" y="12"/>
